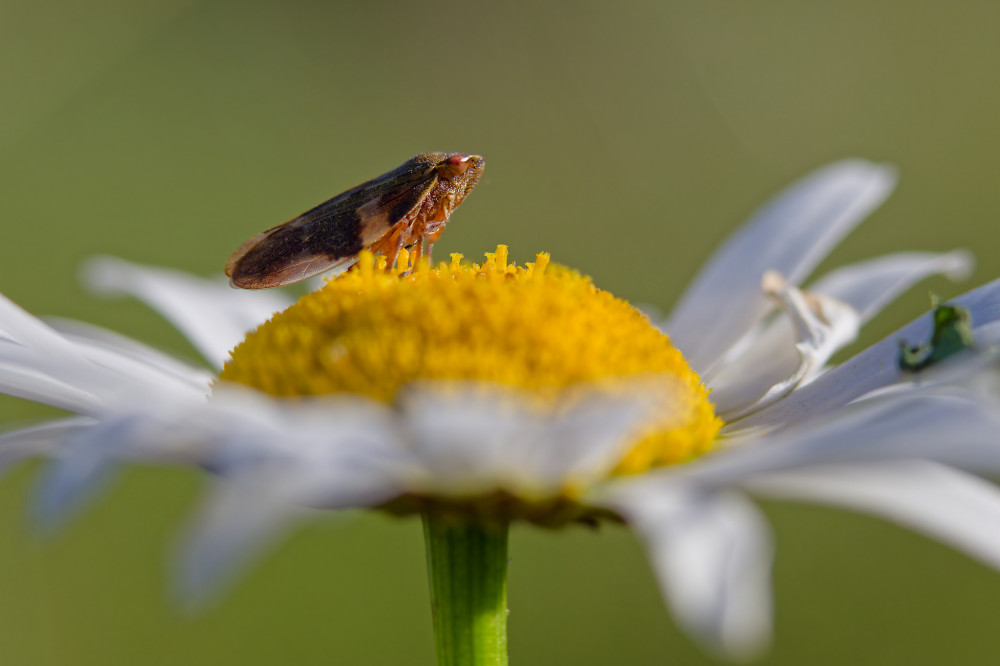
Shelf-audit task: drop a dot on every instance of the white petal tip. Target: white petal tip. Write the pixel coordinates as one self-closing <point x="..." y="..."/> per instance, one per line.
<point x="773" y="282"/>
<point x="884" y="174"/>
<point x="103" y="274"/>
<point x="958" y="265"/>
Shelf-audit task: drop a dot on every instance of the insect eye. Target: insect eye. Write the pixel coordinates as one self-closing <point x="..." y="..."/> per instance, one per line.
<point x="455" y="165"/>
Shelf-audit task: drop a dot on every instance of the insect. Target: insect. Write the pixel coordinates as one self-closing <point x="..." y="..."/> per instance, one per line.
<point x="405" y="207"/>
<point x="952" y="334"/>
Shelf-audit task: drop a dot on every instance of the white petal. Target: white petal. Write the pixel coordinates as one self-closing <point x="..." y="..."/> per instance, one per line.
<point x="213" y="316"/>
<point x="108" y="348"/>
<point x="329" y="452"/>
<point x="472" y="438"/>
<point x="790" y="350"/>
<point x="38" y="363"/>
<point x="943" y="425"/>
<point x="247" y="514"/>
<point x="41" y="440"/>
<point x="88" y="457"/>
<point x="586" y="442"/>
<point x="869" y="286"/>
<point x="76" y="477"/>
<point x="459" y="434"/>
<point x="71" y="380"/>
<point x="17" y="326"/>
<point x="240" y="427"/>
<point x="950" y="506"/>
<point x="281" y="458"/>
<point x="712" y="555"/>
<point x="791" y="234"/>
<point x="31" y="385"/>
<point x="232" y="530"/>
<point x="877" y="366"/>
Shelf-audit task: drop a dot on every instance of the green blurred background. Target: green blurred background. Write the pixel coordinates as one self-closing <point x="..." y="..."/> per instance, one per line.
<point x="627" y="138"/>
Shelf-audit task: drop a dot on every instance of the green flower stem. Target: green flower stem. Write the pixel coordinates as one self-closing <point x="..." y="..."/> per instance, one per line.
<point x="467" y="570"/>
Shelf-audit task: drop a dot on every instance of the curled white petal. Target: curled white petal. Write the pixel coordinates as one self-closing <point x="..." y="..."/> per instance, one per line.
<point x="766" y="355"/>
<point x="789" y="351"/>
<point x="791" y="234"/>
<point x="877" y="366"/>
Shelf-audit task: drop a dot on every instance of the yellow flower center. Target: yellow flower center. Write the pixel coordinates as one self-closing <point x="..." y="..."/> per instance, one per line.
<point x="542" y="328"/>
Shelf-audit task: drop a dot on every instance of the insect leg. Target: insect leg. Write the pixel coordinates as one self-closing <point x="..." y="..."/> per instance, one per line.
<point x="430" y="239"/>
<point x="390" y="258"/>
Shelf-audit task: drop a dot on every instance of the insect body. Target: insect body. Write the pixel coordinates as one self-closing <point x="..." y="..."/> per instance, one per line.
<point x="952" y="334"/>
<point x="406" y="206"/>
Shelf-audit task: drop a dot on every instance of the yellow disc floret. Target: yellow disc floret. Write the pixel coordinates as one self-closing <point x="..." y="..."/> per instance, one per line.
<point x="542" y="328"/>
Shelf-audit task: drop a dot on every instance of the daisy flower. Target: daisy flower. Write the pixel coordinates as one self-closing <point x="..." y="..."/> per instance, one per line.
<point x="475" y="395"/>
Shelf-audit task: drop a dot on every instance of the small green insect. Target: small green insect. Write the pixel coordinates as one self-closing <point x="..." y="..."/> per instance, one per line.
<point x="952" y="334"/>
